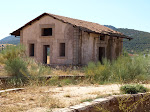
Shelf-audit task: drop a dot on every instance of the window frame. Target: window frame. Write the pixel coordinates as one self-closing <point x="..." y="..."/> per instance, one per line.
<point x="44" y="26"/>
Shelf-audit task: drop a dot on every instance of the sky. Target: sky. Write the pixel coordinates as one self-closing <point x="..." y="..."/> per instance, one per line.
<point x="132" y="14"/>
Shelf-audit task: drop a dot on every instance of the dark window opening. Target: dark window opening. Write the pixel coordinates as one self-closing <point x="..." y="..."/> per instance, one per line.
<point x="102" y="38"/>
<point x="47" y="32"/>
<point x="31" y="49"/>
<point x="62" y="49"/>
<point x="46" y="54"/>
<point x="101" y="53"/>
<point x="117" y="51"/>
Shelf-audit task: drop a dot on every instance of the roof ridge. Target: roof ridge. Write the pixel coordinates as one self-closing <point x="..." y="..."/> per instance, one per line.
<point x="84" y="25"/>
<point x="80" y="20"/>
<point x="73" y="18"/>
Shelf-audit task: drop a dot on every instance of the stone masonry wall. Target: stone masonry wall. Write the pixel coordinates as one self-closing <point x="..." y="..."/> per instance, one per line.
<point x="115" y="103"/>
<point x="76" y="36"/>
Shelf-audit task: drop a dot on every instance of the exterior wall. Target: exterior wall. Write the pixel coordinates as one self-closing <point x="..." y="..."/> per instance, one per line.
<point x="21" y="37"/>
<point x="89" y="49"/>
<point x="114" y="47"/>
<point x="61" y="33"/>
<point x="116" y="103"/>
<point x="91" y="44"/>
<point x="81" y="47"/>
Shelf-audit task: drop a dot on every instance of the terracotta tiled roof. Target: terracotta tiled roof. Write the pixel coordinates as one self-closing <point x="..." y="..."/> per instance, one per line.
<point x="84" y="25"/>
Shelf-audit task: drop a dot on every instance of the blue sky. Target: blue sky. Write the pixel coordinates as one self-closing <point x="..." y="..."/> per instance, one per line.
<point x="132" y="14"/>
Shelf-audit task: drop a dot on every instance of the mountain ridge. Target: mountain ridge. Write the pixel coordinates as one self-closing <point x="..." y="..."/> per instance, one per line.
<point x="10" y="40"/>
<point x="140" y="41"/>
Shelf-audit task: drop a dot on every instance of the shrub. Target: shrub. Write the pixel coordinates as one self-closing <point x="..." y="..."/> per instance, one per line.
<point x="129" y="89"/>
<point x="14" y="82"/>
<point x="11" y="52"/>
<point x="22" y="68"/>
<point x="123" y="69"/>
<point x="37" y="69"/>
<point x="133" y="89"/>
<point x="16" y="68"/>
<point x="97" y="72"/>
<point x="128" y="69"/>
<point x="53" y="81"/>
<point x="141" y="88"/>
<point x="13" y="59"/>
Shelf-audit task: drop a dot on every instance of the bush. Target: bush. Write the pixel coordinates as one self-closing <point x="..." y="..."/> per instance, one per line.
<point x="15" y="66"/>
<point x="133" y="89"/>
<point x="13" y="59"/>
<point x="23" y="69"/>
<point x="128" y="69"/>
<point x="14" y="63"/>
<point x="123" y="69"/>
<point x="11" y="52"/>
<point x="37" y="69"/>
<point x="53" y="81"/>
<point x="97" y="72"/>
<point x="141" y="88"/>
<point x="129" y="89"/>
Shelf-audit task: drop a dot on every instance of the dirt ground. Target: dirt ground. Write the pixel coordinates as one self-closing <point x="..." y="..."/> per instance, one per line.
<point x="52" y="97"/>
<point x="40" y="99"/>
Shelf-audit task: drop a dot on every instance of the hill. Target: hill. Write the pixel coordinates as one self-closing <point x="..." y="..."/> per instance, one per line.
<point x="10" y="40"/>
<point x="140" y="41"/>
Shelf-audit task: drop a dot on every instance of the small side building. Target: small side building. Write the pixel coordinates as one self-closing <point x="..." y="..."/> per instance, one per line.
<point x="59" y="40"/>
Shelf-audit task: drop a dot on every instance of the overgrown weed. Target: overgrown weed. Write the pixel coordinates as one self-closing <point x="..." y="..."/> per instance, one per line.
<point x="124" y="69"/>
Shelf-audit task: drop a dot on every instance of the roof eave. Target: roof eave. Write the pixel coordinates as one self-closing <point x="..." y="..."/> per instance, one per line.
<point x="17" y="32"/>
<point x="111" y="34"/>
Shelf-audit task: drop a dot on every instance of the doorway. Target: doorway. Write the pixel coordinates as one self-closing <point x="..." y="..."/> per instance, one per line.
<point x="101" y="53"/>
<point x="46" y="54"/>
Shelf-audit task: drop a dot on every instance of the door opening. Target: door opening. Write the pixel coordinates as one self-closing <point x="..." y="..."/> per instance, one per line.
<point x="46" y="54"/>
<point x="101" y="53"/>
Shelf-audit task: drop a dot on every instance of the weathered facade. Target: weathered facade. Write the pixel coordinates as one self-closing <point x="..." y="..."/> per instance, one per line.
<point x="67" y="41"/>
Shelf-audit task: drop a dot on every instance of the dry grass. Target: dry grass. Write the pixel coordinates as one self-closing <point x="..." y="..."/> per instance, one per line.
<point x="51" y="97"/>
<point x="32" y="97"/>
<point x="69" y="70"/>
<point x="2" y="71"/>
<point x="34" y="70"/>
<point x="66" y="72"/>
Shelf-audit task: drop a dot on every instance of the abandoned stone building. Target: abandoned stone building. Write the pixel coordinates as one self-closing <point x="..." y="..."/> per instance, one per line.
<point x="58" y="40"/>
